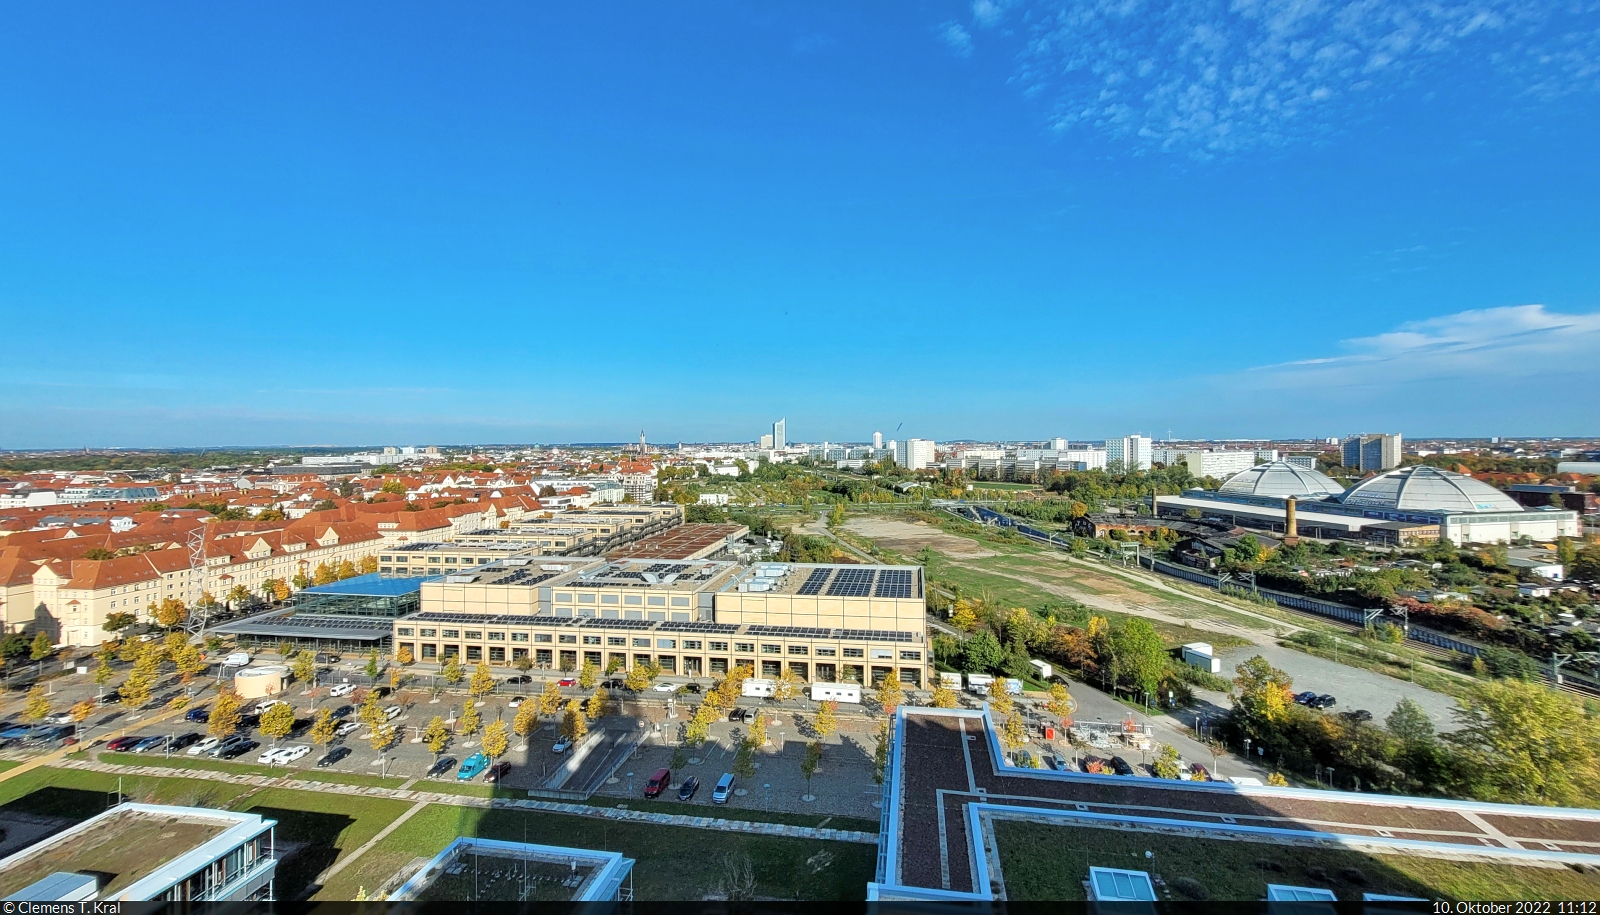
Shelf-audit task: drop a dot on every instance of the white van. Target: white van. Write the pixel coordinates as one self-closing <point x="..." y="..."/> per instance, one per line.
<point x="237" y="659"/>
<point x="759" y="688"/>
<point x="836" y="692"/>
<point x="979" y="683"/>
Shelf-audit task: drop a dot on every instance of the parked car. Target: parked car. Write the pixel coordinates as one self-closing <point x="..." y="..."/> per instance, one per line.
<point x="738" y="714"/>
<point x="392" y="712"/>
<point x="664" y="688"/>
<point x="343" y="712"/>
<point x="250" y="720"/>
<point x="237" y="659"/>
<point x="231" y="744"/>
<point x="1120" y="766"/>
<point x="158" y="742"/>
<point x="110" y="697"/>
<point x="442" y="765"/>
<point x="472" y="766"/>
<point x="688" y="788"/>
<point x="615" y="683"/>
<point x="62" y="718"/>
<point x="690" y="688"/>
<point x="266" y="705"/>
<point x="1198" y="773"/>
<point x="323" y="658"/>
<point x="658" y="783"/>
<point x="197" y="715"/>
<point x="724" y="789"/>
<point x="1324" y="702"/>
<point x="516" y="702"/>
<point x="185" y="741"/>
<point x="1358" y="715"/>
<point x="294" y="753"/>
<point x="1305" y="698"/>
<point x="519" y="679"/>
<point x="497" y="772"/>
<point x="342" y="689"/>
<point x="566" y="681"/>
<point x="349" y="727"/>
<point x="205" y="746"/>
<point x="270" y="757"/>
<point x="240" y="750"/>
<point x="121" y="744"/>
<point x="333" y="756"/>
<point x="562" y="745"/>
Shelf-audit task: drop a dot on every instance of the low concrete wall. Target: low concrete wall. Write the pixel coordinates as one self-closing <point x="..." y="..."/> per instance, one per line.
<point x="575" y="758"/>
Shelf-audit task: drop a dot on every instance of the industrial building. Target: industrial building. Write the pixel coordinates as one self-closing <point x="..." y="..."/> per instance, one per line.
<point x="1395" y="507"/>
<point x="826" y="623"/>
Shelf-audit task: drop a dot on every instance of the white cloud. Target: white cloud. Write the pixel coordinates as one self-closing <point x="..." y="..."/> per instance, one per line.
<point x="1468" y="349"/>
<point x="1214" y="77"/>
<point x="957" y="37"/>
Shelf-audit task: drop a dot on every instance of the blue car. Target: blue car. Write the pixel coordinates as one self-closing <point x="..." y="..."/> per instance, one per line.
<point x="471" y="766"/>
<point x="200" y="715"/>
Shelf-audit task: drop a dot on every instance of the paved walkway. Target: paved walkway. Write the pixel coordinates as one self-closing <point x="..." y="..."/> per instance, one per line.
<point x="498" y="803"/>
<point x="330" y="873"/>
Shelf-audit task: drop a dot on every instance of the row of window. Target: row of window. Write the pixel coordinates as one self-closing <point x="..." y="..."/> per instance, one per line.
<point x="617" y="641"/>
<point x="633" y="600"/>
<point x="549" y="659"/>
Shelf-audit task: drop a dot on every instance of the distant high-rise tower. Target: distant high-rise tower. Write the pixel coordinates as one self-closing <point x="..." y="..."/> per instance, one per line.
<point x="1058" y="444"/>
<point x="1130" y="453"/>
<point x="779" y="439"/>
<point x="877" y="441"/>
<point x="1372" y="451"/>
<point x="641" y="441"/>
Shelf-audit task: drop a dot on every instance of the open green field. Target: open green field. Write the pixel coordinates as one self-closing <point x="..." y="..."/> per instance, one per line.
<point x="320" y="827"/>
<point x="1048" y="862"/>
<point x="738" y="813"/>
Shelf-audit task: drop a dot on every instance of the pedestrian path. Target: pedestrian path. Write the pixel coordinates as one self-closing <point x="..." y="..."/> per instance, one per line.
<point x="720" y="824"/>
<point x="347" y="860"/>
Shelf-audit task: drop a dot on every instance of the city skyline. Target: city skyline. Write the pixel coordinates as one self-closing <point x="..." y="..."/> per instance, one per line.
<point x="223" y="230"/>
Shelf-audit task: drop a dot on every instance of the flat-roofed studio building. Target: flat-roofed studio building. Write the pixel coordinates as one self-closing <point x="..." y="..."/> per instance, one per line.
<point x="826" y="623"/>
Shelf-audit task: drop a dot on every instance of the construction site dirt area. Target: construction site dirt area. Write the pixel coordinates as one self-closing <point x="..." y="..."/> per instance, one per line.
<point x="907" y="537"/>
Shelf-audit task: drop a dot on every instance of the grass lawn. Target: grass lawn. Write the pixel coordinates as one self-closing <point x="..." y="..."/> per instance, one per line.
<point x="79" y="795"/>
<point x="202" y="763"/>
<point x="329" y="824"/>
<point x="671" y="862"/>
<point x="351" y="778"/>
<point x="1046" y="862"/>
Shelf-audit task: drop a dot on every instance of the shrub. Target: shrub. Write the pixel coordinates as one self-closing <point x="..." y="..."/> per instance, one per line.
<point x="1190" y="888"/>
<point x="1267" y="864"/>
<point x="1353" y="875"/>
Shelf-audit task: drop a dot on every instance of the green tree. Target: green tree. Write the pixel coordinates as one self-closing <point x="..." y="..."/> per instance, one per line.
<point x="436" y="736"/>
<point x="451" y="671"/>
<point x="1532" y="744"/>
<point x="495" y="740"/>
<point x="836" y="517"/>
<point x="981" y="653"/>
<point x="277" y="722"/>
<point x="1141" y="655"/>
<point x="224" y="720"/>
<point x="1409" y="723"/>
<point x="38" y="707"/>
<point x="1166" y="764"/>
<point x="374" y="666"/>
<point x="116" y="622"/>
<point x="1262" y="698"/>
<point x="41" y="647"/>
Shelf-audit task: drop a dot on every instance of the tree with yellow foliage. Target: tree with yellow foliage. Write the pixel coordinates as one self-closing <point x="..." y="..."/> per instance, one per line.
<point x="963" y="618"/>
<point x="999" y="699"/>
<point x="369" y="564"/>
<point x="168" y="614"/>
<point x="944" y="697"/>
<point x="573" y="724"/>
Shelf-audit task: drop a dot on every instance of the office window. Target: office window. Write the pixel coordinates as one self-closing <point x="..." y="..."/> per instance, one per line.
<point x="718" y="646"/>
<point x="641" y="643"/>
<point x="587" y="599"/>
<point x="680" y="602"/>
<point x="497" y="655"/>
<point x="658" y="601"/>
<point x="433" y="559"/>
<point x="450" y="560"/>
<point x="429" y="652"/>
<point x="543" y="637"/>
<point x="666" y="643"/>
<point x="633" y="600"/>
<point x="691" y="645"/>
<point x="519" y="636"/>
<point x="451" y="634"/>
<point x="563" y="598"/>
<point x="825" y="652"/>
<point x="881" y="653"/>
<point x="744" y="647"/>
<point x="768" y="648"/>
<point x="569" y="640"/>
<point x="497" y="636"/>
<point x="404" y="631"/>
<point x="798" y="649"/>
<point x="616" y="640"/>
<point x="591" y="640"/>
<point x="608" y="598"/>
<point x="429" y="633"/>
<point x="910" y="655"/>
<point x="475" y="634"/>
<point x="852" y="653"/>
<point x="474" y="653"/>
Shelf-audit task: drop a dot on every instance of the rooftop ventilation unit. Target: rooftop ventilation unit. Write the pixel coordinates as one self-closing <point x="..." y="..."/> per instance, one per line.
<point x="460" y="579"/>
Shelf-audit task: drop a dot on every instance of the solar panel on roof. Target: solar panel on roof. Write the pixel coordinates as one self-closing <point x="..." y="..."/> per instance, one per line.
<point x="894" y="583"/>
<point x="852" y="583"/>
<point x="815" y="581"/>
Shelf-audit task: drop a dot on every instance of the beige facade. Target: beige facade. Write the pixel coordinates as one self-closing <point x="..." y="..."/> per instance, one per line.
<point x="694" y="618"/>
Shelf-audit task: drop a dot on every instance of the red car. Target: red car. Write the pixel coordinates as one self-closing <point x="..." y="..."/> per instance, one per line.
<point x="122" y="744"/>
<point x="497" y="772"/>
<point x="566" y="681"/>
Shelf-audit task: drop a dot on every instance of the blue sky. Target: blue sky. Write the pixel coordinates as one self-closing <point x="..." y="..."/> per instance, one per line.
<point x="314" y="223"/>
